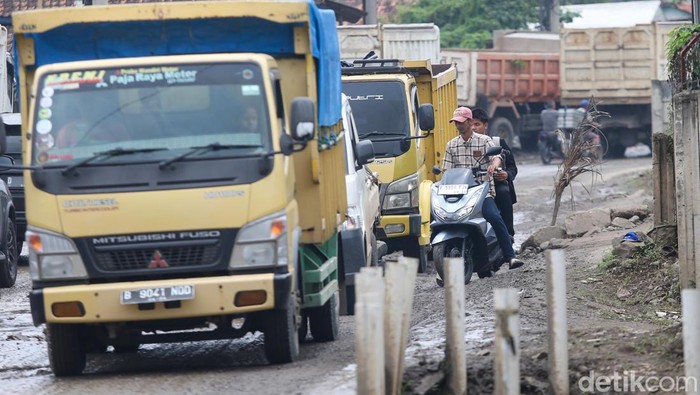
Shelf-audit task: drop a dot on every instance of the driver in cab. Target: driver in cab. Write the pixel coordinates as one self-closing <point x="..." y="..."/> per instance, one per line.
<point x="464" y="151"/>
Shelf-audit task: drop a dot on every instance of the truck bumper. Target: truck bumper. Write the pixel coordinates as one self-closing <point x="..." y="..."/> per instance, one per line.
<point x="213" y="296"/>
<point x="400" y="225"/>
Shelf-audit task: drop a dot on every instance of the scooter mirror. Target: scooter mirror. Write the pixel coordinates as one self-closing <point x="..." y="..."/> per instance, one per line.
<point x="491" y="151"/>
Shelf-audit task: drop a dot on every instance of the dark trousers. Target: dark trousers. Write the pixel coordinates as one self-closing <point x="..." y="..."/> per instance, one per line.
<point x="493" y="216"/>
<point x="505" y="205"/>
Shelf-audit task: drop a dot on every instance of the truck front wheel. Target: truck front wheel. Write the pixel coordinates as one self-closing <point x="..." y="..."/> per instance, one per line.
<point x="281" y="333"/>
<point x="323" y="320"/>
<point x="414" y="250"/>
<point x="503" y="128"/>
<point x="66" y="349"/>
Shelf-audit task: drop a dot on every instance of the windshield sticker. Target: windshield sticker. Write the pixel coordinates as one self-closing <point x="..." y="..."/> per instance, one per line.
<point x="171" y="75"/>
<point x="45" y="141"/>
<point x="250" y="90"/>
<point x="44" y="126"/>
<point x="46" y="102"/>
<point x="62" y="80"/>
<point x="44" y="113"/>
<point x="47" y="92"/>
<point x="54" y="157"/>
<point x="248" y="74"/>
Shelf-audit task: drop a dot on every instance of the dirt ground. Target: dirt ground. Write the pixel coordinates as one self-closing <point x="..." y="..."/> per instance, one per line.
<point x="623" y="314"/>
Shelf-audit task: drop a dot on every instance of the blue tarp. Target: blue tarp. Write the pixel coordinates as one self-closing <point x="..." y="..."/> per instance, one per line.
<point x="198" y="36"/>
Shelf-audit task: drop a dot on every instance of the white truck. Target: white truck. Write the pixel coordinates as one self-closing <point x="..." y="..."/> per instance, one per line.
<point x="358" y="243"/>
<point x="7" y="75"/>
<point x="391" y="41"/>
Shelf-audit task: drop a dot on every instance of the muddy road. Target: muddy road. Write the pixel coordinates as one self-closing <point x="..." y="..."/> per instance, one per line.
<point x="239" y="366"/>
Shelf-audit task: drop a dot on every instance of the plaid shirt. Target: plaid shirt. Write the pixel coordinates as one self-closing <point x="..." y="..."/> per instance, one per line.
<point x="465" y="154"/>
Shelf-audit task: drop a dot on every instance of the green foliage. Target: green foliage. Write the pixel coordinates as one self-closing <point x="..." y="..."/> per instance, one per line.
<point x="469" y="24"/>
<point x="677" y="39"/>
<point x="607" y="262"/>
<point x="518" y="64"/>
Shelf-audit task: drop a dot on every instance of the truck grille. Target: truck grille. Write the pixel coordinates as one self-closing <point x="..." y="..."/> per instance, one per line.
<point x="135" y="259"/>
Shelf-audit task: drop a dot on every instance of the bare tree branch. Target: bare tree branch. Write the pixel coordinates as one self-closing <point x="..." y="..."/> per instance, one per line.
<point x="583" y="155"/>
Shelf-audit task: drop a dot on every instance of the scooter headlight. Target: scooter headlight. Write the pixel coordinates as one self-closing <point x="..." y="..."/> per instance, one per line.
<point x="460" y="214"/>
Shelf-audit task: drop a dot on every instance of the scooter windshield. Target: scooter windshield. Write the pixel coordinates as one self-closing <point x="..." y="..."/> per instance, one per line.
<point x="458" y="176"/>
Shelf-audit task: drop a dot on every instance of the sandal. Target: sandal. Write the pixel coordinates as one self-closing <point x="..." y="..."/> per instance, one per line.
<point x="515" y="263"/>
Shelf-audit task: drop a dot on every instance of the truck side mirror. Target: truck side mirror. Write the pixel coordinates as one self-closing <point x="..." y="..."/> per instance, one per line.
<point x="286" y="144"/>
<point x="365" y="152"/>
<point x="426" y="117"/>
<point x="302" y="119"/>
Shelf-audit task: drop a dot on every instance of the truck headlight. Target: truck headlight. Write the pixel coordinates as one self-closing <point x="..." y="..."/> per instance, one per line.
<point x="53" y="256"/>
<point x="402" y="193"/>
<point x="262" y="243"/>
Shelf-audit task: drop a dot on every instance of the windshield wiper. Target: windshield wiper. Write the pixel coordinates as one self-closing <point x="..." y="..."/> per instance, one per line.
<point x="108" y="154"/>
<point x="378" y="133"/>
<point x="202" y="149"/>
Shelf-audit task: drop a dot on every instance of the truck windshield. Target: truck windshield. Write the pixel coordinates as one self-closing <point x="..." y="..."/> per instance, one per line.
<point x="156" y="111"/>
<point x="381" y="113"/>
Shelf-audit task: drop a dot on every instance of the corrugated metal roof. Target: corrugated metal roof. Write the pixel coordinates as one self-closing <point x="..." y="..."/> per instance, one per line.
<point x="624" y="14"/>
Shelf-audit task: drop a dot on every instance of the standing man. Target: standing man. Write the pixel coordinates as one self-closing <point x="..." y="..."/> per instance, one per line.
<point x="464" y="151"/>
<point x="505" y="190"/>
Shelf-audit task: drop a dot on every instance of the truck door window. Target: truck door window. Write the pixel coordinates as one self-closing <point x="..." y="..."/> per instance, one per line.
<point x="414" y="111"/>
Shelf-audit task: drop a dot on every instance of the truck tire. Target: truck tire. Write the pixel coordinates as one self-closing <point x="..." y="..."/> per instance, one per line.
<point x="350" y="300"/>
<point x="8" y="270"/>
<point x="66" y="349"/>
<point x="281" y="333"/>
<point x="503" y="128"/>
<point x="412" y="249"/>
<point x="304" y="327"/>
<point x="323" y="320"/>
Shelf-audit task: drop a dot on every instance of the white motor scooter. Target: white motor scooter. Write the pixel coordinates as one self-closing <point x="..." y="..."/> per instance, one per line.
<point x="458" y="227"/>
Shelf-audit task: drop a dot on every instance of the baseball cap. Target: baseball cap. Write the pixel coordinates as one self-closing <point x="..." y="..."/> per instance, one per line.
<point x="461" y="114"/>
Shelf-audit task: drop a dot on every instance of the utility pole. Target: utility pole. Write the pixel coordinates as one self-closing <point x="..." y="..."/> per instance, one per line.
<point x="549" y="15"/>
<point x="370" y="8"/>
<point x="554" y="16"/>
<point x="696" y="11"/>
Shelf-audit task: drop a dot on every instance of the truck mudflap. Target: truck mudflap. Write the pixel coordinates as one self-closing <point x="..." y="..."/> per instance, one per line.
<point x="145" y="300"/>
<point x="353" y="253"/>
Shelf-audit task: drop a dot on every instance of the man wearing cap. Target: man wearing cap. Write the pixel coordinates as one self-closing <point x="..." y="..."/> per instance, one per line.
<point x="464" y="151"/>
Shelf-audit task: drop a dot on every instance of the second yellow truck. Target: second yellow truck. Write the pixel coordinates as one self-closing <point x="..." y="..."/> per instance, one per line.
<point x="404" y="108"/>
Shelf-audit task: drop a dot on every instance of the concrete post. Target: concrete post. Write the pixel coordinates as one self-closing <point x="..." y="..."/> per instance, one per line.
<point x="369" y="331"/>
<point x="690" y="301"/>
<point x="557" y="323"/>
<point x="409" y="282"/>
<point x="454" y="314"/>
<point x="507" y="343"/>
<point x="394" y="299"/>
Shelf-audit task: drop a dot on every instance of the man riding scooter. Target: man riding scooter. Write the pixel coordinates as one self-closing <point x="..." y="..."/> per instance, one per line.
<point x="464" y="151"/>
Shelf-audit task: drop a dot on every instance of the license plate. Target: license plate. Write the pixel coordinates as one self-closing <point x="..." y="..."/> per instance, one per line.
<point x="158" y="294"/>
<point x="15" y="181"/>
<point x="456" y="189"/>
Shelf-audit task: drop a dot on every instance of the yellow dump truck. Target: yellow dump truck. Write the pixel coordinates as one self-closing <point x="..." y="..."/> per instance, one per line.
<point x="184" y="174"/>
<point x="404" y="108"/>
